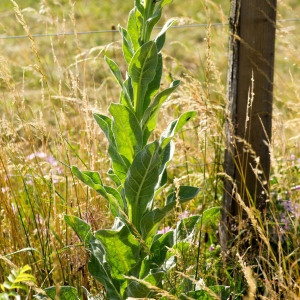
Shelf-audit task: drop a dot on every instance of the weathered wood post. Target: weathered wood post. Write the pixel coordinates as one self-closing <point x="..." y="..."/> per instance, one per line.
<point x="249" y="108"/>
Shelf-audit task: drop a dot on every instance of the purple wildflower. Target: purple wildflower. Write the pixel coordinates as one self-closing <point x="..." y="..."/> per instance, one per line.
<point x="211" y="247"/>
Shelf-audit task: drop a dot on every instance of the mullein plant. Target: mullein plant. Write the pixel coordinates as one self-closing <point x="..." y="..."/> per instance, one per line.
<point x="132" y="256"/>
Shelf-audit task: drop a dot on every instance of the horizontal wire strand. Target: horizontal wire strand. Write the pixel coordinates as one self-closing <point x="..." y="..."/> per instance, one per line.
<point x="114" y="30"/>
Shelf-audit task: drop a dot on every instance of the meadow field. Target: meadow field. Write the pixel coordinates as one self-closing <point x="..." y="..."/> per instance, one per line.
<point x="53" y="76"/>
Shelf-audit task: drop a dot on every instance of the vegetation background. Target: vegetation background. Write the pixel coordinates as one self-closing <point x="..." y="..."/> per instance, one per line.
<point x="51" y="83"/>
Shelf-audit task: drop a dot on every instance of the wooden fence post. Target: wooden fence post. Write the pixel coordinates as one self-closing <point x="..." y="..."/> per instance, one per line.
<point x="249" y="108"/>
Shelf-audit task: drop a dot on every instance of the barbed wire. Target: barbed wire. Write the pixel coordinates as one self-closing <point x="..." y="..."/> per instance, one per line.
<point x="38" y="35"/>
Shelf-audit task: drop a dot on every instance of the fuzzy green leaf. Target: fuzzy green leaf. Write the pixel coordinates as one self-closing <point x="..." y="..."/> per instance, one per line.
<point x="175" y="126"/>
<point x="161" y="37"/>
<point x="115" y="70"/>
<point x="127" y="46"/>
<point x="134" y="27"/>
<point x="82" y="229"/>
<point x="62" y="293"/>
<point x="127" y="131"/>
<point x="151" y="113"/>
<point x="99" y="268"/>
<point x="166" y="155"/>
<point x="184" y="194"/>
<point x="121" y="247"/>
<point x="185" y="228"/>
<point x="114" y="177"/>
<point x="154" y="85"/>
<point x="165" y="2"/>
<point x="151" y="23"/>
<point x="120" y="164"/>
<point x="117" y="74"/>
<point x="151" y="220"/>
<point x="93" y="180"/>
<point x="141" y="181"/>
<point x="142" y="71"/>
<point x="158" y="253"/>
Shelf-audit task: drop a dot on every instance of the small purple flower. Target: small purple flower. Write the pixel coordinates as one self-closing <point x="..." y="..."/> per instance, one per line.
<point x="296" y="188"/>
<point x="36" y="154"/>
<point x="49" y="158"/>
<point x="211" y="247"/>
<point x="184" y="215"/>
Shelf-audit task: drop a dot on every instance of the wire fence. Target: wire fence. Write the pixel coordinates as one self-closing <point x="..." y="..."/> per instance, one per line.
<point x="115" y="30"/>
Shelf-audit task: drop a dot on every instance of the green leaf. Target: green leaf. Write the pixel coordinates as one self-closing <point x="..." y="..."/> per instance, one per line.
<point x="62" y="293"/>
<point x="138" y="289"/>
<point x="211" y="215"/>
<point x="139" y="6"/>
<point x="141" y="181"/>
<point x="158" y="252"/>
<point x="90" y="178"/>
<point x="114" y="177"/>
<point x="161" y="37"/>
<point x="154" y="85"/>
<point x="134" y="27"/>
<point x="115" y="70"/>
<point x="142" y="71"/>
<point x="184" y="194"/>
<point x="165" y="2"/>
<point x="185" y="228"/>
<point x="151" y="23"/>
<point x="151" y="220"/>
<point x="166" y="155"/>
<point x="150" y="117"/>
<point x="128" y="93"/>
<point x="100" y="269"/>
<point x="122" y="249"/>
<point x="127" y="46"/>
<point x="93" y="180"/>
<point x="81" y="228"/>
<point x="118" y="75"/>
<point x="221" y="291"/>
<point x="175" y="126"/>
<point x="120" y="164"/>
<point x="127" y="131"/>
<point x="114" y="197"/>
